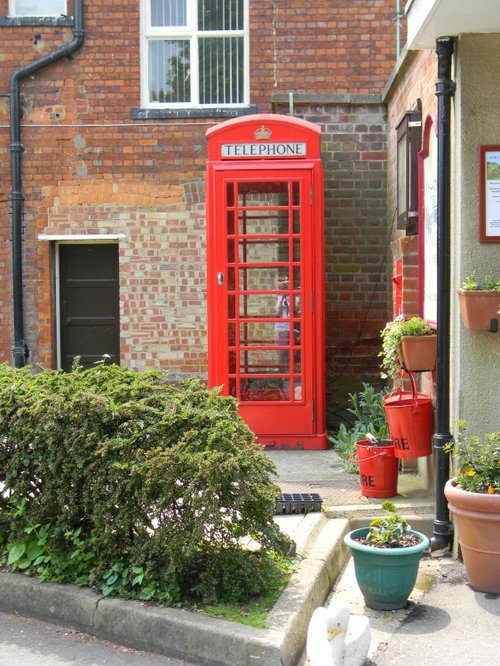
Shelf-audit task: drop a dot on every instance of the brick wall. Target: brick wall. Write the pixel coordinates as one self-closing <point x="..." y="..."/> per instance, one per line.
<point x="88" y="166"/>
<point x="325" y="46"/>
<point x="354" y="154"/>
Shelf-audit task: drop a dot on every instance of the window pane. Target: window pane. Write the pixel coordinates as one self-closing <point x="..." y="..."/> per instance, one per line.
<point x="220" y="14"/>
<point x="169" y="71"/>
<point x="39" y="7"/>
<point x="221" y="70"/>
<point x="168" y="12"/>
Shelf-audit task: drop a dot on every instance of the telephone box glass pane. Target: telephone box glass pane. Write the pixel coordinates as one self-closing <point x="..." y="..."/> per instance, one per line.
<point x="263" y="251"/>
<point x="232" y="361"/>
<point x="252" y="279"/>
<point x="257" y="305"/>
<point x="263" y="194"/>
<point x="231" y="284"/>
<point x="264" y="361"/>
<point x="265" y="388"/>
<point x="231" y="307"/>
<point x="296" y="221"/>
<point x="263" y="221"/>
<point x="296" y="278"/>
<point x="257" y="333"/>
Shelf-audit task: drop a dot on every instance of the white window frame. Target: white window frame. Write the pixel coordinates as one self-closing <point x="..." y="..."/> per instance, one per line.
<point x="40" y="12"/>
<point x="190" y="32"/>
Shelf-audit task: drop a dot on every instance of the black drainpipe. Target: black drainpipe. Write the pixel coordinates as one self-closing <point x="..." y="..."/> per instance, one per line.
<point x="20" y="349"/>
<point x="445" y="88"/>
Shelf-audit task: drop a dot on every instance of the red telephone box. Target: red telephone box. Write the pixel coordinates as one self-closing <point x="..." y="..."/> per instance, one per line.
<point x="266" y="337"/>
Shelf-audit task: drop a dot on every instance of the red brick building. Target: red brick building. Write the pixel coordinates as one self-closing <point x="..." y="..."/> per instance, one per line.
<point x="112" y="166"/>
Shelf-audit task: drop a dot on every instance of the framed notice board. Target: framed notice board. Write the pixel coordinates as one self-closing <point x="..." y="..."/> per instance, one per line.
<point x="489" y="201"/>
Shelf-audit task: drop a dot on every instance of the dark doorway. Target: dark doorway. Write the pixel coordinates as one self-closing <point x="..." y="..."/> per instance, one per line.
<point x="89" y="304"/>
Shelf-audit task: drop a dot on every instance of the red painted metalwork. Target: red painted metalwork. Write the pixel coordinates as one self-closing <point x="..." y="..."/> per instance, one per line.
<point x="397" y="280"/>
<point x="265" y="252"/>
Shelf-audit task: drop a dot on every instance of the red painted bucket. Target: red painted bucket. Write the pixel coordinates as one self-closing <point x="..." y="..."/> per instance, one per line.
<point x="378" y="468"/>
<point x="410" y="419"/>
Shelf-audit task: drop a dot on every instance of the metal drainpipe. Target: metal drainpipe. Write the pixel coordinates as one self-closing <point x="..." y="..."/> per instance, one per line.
<point x="20" y="349"/>
<point x="445" y="88"/>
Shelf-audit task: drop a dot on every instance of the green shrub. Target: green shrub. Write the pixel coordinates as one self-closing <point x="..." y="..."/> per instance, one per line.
<point x="367" y="407"/>
<point x="118" y="479"/>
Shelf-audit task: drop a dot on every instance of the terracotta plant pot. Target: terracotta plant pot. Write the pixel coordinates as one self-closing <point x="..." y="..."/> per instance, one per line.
<point x="478" y="308"/>
<point x="417" y="353"/>
<point x="477" y="519"/>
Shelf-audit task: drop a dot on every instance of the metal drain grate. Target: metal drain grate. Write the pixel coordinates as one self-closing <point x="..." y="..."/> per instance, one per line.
<point x="298" y="503"/>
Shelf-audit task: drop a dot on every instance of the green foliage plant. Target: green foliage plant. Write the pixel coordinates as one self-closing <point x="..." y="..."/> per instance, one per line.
<point x="389" y="531"/>
<point x="120" y="480"/>
<point x="391" y="340"/>
<point x="489" y="283"/>
<point x="367" y="408"/>
<point x="478" y="459"/>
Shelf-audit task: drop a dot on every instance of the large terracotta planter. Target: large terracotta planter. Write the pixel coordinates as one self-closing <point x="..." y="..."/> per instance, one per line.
<point x="478" y="307"/>
<point x="386" y="576"/>
<point x="417" y="353"/>
<point x="477" y="519"/>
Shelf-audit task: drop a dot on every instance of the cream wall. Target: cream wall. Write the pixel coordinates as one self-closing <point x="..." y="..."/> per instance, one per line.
<point x="475" y="354"/>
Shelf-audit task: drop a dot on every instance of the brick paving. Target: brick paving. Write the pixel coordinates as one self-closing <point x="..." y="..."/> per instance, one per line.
<point x="322" y="472"/>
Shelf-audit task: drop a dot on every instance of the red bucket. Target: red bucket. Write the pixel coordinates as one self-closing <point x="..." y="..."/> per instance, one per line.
<point x="410" y="419"/>
<point x="378" y="469"/>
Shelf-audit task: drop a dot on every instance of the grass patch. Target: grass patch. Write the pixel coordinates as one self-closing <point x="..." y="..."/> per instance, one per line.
<point x="255" y="611"/>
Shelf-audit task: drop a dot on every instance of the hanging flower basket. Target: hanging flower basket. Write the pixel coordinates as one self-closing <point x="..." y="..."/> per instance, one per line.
<point x="418" y="353"/>
<point x="480" y="309"/>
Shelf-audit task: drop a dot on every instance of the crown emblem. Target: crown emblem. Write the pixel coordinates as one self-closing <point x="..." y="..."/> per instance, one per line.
<point x="263" y="133"/>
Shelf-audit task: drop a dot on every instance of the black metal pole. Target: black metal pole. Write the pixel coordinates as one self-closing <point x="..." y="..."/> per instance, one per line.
<point x="20" y="349"/>
<point x="445" y="88"/>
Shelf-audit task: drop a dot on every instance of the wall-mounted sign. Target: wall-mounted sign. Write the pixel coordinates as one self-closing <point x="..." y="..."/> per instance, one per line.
<point x="489" y="230"/>
<point x="291" y="149"/>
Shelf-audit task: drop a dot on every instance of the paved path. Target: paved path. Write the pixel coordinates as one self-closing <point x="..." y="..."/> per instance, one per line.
<point x="27" y="642"/>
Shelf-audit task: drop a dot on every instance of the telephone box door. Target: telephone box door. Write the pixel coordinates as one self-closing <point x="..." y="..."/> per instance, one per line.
<point x="264" y="305"/>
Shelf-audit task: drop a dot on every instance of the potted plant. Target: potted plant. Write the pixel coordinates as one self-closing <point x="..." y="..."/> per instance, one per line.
<point x="480" y="303"/>
<point x="474" y="499"/>
<point x="386" y="557"/>
<point x="409" y="344"/>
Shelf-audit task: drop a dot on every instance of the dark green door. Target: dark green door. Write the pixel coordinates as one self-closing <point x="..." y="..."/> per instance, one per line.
<point x="89" y="304"/>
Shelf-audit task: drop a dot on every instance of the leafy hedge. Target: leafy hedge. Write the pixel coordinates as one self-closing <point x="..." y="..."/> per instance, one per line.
<point x="117" y="479"/>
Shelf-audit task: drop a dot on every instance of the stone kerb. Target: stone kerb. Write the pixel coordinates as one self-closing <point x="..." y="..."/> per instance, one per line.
<point x="184" y="634"/>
